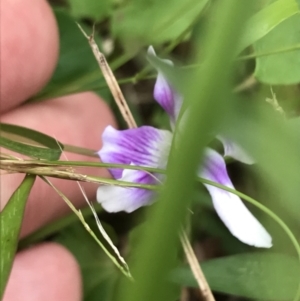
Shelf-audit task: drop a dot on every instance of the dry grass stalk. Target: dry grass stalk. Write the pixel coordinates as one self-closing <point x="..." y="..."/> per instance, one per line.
<point x="110" y="80"/>
<point x="196" y="268"/>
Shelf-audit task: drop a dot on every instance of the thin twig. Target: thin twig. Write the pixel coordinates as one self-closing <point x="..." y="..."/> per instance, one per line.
<point x="69" y="174"/>
<point x="80" y="150"/>
<point x="110" y="80"/>
<point x="123" y="267"/>
<point x="196" y="269"/>
<point x="102" y="230"/>
<point x="100" y="227"/>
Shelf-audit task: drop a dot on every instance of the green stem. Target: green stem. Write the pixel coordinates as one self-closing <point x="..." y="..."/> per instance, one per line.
<point x="67" y="221"/>
<point x="80" y="150"/>
<point x="44" y="163"/>
<point x="274" y="52"/>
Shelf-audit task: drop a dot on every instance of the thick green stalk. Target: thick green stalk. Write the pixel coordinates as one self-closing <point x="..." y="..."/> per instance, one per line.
<point x="154" y="257"/>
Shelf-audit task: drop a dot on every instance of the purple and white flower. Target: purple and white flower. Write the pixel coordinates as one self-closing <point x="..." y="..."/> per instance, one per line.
<point x="148" y="146"/>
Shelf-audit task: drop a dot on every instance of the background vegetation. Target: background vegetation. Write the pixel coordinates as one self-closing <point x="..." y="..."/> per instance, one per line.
<point x="238" y="66"/>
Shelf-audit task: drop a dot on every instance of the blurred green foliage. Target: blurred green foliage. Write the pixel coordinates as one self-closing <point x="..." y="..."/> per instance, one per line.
<point x="142" y="23"/>
<point x="276" y="69"/>
<point x="265" y="34"/>
<point x="76" y="70"/>
<point x="257" y="276"/>
<point x="96" y="10"/>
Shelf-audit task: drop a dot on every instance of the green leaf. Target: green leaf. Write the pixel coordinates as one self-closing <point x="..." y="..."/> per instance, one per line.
<point x="282" y="68"/>
<point x="77" y="70"/>
<point x="10" y="222"/>
<point x="252" y="275"/>
<point x="98" y="271"/>
<point x="142" y="23"/>
<point x="94" y="9"/>
<point x="19" y="139"/>
<point x="267" y="19"/>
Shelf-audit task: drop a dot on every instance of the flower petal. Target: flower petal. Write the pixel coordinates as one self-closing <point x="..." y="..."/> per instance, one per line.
<point x="233" y="150"/>
<point x="116" y="198"/>
<point x="165" y="94"/>
<point x="144" y="146"/>
<point x="232" y="211"/>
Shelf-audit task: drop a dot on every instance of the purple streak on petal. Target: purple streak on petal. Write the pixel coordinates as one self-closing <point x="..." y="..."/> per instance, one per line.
<point x="144" y="146"/>
<point x="233" y="150"/>
<point x="165" y="94"/>
<point x="115" y="199"/>
<point x="232" y="211"/>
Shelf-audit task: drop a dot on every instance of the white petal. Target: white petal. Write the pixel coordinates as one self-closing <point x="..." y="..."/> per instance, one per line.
<point x="116" y="198"/>
<point x="232" y="211"/>
<point x="169" y="99"/>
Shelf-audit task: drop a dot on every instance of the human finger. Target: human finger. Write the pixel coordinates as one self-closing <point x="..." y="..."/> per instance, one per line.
<point x="29" y="49"/>
<point x="45" y="272"/>
<point x="75" y="119"/>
